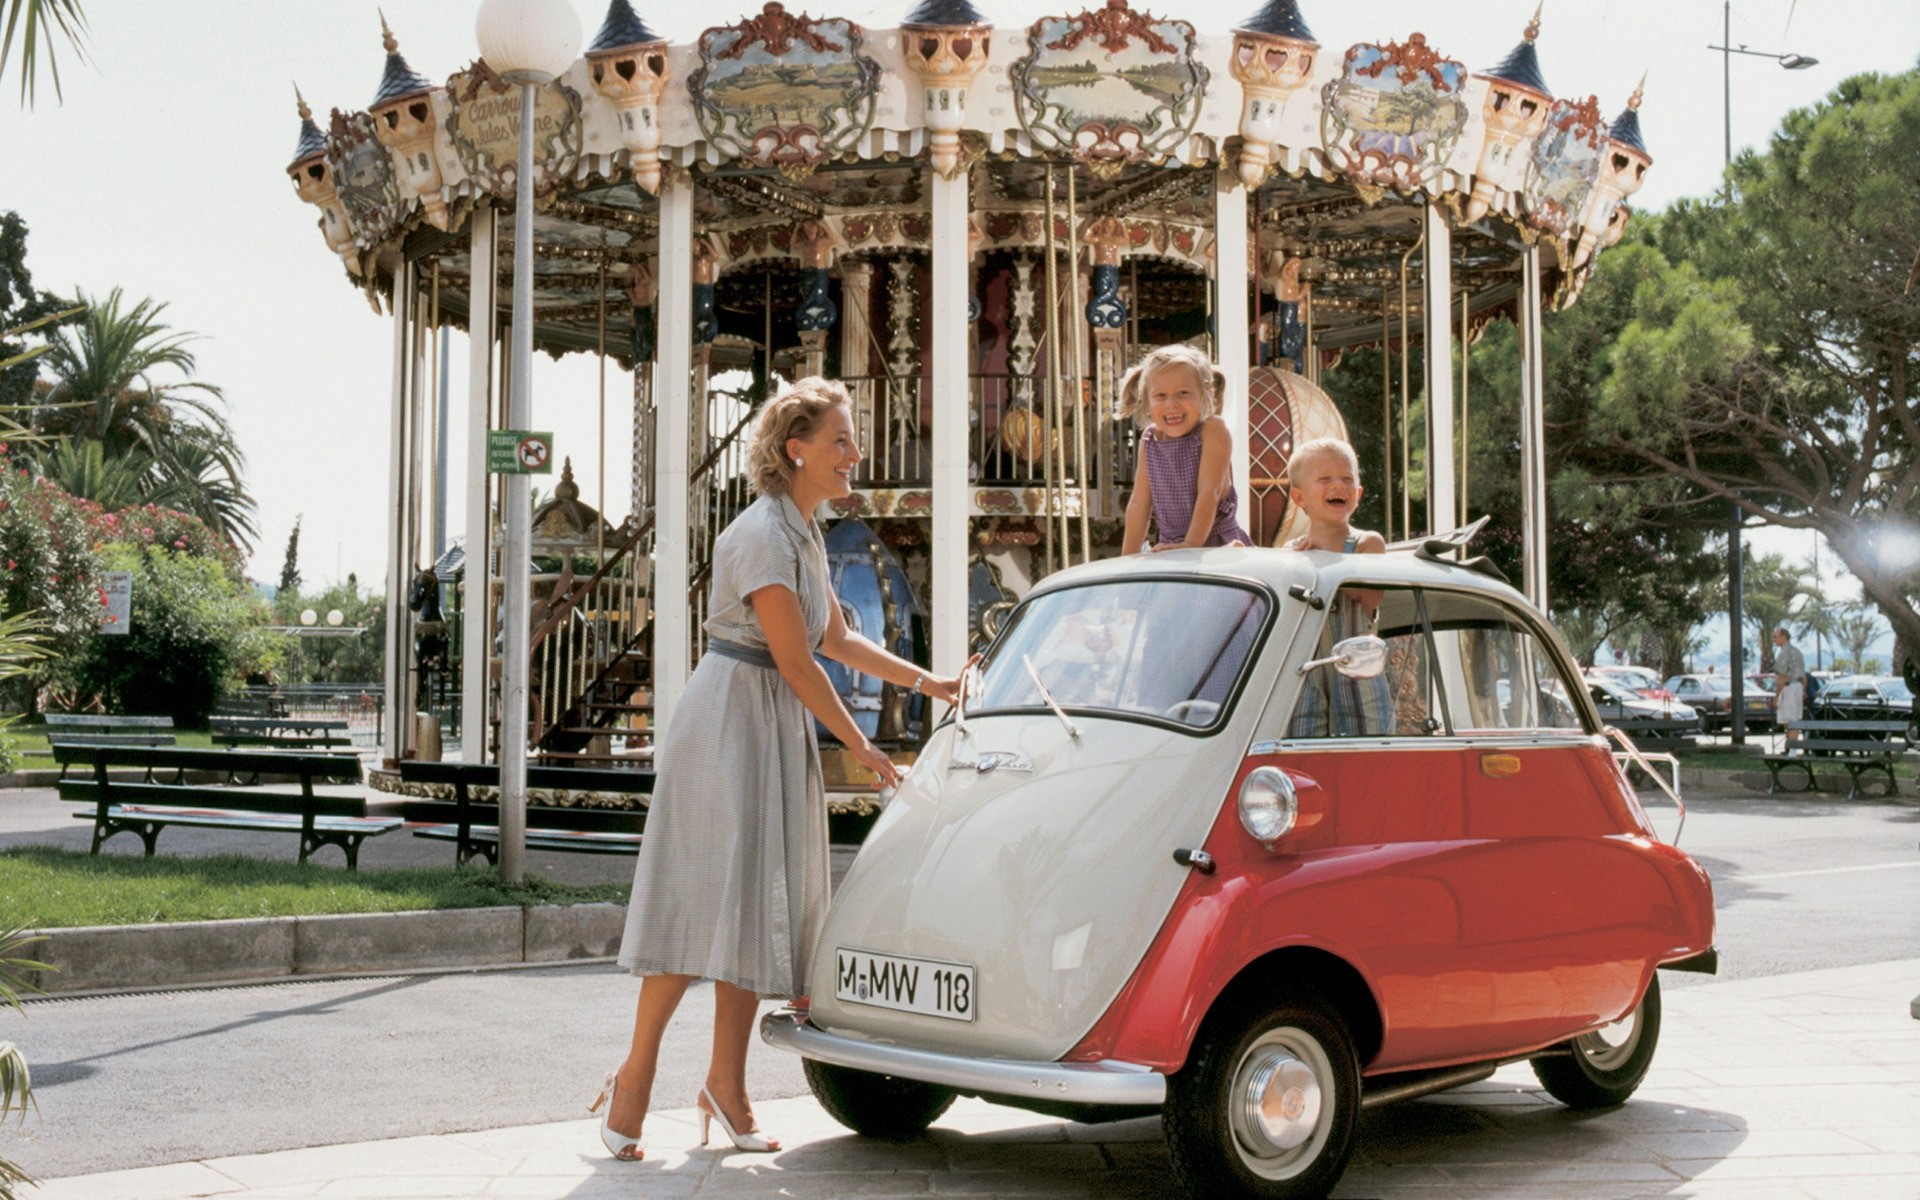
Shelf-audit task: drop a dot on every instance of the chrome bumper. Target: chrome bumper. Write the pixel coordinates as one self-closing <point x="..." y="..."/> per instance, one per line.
<point x="1074" y="1083"/>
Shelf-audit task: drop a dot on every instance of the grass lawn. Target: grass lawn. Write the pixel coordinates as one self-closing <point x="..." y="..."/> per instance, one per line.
<point x="43" y="888"/>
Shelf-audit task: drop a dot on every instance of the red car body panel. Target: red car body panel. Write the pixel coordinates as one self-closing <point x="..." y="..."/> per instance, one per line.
<point x="1494" y="899"/>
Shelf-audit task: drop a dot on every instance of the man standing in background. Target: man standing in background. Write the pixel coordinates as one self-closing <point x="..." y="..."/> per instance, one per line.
<point x="1789" y="682"/>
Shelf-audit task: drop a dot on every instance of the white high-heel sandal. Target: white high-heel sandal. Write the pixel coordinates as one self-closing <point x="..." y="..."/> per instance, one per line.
<point x="622" y="1147"/>
<point x="753" y="1140"/>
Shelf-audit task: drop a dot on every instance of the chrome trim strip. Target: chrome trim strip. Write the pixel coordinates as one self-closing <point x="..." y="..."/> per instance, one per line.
<point x="1503" y="741"/>
<point x="1077" y="1083"/>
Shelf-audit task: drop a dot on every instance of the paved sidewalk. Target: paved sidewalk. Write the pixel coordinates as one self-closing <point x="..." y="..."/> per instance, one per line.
<point x="1798" y="1086"/>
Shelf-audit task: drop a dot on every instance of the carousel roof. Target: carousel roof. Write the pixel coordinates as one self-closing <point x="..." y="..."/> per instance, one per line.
<point x="623" y="27"/>
<point x="312" y="141"/>
<point x="1522" y="66"/>
<point x="1625" y="128"/>
<point x="945" y="12"/>
<point x="1280" y="18"/>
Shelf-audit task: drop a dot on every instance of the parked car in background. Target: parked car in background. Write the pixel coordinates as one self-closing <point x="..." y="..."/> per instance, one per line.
<point x="1644" y="680"/>
<point x="1713" y="696"/>
<point x="1179" y="851"/>
<point x="1622" y="705"/>
<point x="1852" y="696"/>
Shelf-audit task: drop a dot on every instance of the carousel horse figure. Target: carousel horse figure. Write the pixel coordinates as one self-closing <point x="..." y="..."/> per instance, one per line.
<point x="429" y="632"/>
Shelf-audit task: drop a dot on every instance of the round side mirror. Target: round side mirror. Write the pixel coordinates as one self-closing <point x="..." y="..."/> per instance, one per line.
<point x="1361" y="657"/>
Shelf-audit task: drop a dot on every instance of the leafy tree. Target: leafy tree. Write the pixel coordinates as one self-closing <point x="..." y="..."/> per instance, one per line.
<point x="194" y="630"/>
<point x="32" y="22"/>
<point x="1856" y="629"/>
<point x="290" y="569"/>
<point x="336" y="659"/>
<point x="20" y="307"/>
<point x="48" y="568"/>
<point x="1772" y="593"/>
<point x="1770" y="357"/>
<point x="105" y="391"/>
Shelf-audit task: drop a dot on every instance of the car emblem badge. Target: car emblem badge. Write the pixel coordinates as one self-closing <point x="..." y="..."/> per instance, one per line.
<point x="991" y="760"/>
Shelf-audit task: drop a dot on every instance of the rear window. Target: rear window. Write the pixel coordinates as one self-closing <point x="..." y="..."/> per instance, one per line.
<point x="1170" y="651"/>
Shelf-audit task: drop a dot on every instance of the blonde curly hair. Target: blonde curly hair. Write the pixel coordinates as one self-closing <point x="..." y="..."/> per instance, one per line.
<point x="794" y="413"/>
<point x="1134" y="385"/>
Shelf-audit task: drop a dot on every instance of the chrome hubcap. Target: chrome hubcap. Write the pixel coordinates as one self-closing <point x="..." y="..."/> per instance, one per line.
<point x="1609" y="1046"/>
<point x="1279" y="1104"/>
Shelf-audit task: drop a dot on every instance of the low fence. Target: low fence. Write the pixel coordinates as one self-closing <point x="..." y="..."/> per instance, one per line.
<point x="360" y="705"/>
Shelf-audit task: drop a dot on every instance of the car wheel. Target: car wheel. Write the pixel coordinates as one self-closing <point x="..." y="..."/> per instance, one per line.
<point x="1267" y="1104"/>
<point x="876" y="1106"/>
<point x="1603" y="1068"/>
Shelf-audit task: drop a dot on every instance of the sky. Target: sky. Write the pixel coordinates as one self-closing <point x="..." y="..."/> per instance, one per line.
<point x="163" y="173"/>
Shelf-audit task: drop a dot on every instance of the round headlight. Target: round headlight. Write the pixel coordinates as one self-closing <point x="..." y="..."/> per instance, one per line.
<point x="1267" y="804"/>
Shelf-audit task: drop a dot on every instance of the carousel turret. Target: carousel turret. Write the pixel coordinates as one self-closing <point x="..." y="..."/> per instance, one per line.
<point x="1623" y="168"/>
<point x="628" y="64"/>
<point x="313" y="180"/>
<point x="1515" y="110"/>
<point x="404" y="121"/>
<point x="946" y="45"/>
<point x="1273" y="54"/>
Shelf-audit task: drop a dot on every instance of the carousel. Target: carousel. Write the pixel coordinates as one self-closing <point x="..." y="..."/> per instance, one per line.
<point x="977" y="229"/>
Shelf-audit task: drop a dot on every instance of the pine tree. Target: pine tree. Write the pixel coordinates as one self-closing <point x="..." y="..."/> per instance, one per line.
<point x="290" y="570"/>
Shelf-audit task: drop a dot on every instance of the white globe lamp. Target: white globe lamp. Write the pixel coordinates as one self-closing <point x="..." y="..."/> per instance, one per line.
<point x="528" y="41"/>
<point x="308" y="616"/>
<point x="335" y="617"/>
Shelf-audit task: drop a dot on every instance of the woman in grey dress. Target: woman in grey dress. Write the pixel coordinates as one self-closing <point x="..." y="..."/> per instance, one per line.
<point x="731" y="884"/>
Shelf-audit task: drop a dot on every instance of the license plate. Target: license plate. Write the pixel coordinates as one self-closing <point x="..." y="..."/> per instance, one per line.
<point x="1756" y="706"/>
<point x="916" y="985"/>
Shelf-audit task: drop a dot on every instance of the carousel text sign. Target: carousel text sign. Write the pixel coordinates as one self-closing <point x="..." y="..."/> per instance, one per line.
<point x="485" y="128"/>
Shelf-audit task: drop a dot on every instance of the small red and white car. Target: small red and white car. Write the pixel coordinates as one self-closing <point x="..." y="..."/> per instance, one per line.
<point x="1205" y="840"/>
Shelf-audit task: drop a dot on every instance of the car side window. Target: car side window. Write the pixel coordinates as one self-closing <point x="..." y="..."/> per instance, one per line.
<point x="1399" y="702"/>
<point x="1504" y="675"/>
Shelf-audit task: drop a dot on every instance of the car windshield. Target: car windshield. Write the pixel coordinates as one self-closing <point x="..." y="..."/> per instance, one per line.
<point x="1895" y="690"/>
<point x="1168" y="650"/>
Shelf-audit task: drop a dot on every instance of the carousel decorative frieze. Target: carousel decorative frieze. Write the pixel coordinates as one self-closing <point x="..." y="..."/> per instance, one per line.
<point x="1392" y="118"/>
<point x="1110" y="86"/>
<point x="782" y="91"/>
<point x="1565" y="166"/>
<point x="363" y="179"/>
<point x="484" y="124"/>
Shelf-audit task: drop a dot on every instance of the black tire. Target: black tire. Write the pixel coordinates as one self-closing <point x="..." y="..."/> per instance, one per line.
<point x="1267" y="1104"/>
<point x="1603" y="1068"/>
<point x="876" y="1106"/>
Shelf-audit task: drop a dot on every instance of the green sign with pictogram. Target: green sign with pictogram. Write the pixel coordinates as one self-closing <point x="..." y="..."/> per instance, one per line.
<point x="519" y="452"/>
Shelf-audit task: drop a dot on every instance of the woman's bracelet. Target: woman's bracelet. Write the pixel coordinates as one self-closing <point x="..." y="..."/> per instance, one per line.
<point x="919" y="682"/>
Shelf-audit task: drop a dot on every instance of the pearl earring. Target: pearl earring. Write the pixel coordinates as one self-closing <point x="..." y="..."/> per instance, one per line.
<point x="799" y="462"/>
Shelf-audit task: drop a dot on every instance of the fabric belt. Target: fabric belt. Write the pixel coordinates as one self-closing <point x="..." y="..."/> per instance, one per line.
<point x="739" y="653"/>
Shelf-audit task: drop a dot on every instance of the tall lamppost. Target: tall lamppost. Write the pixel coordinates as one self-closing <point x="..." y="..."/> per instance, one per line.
<point x="529" y="43"/>
<point x="1737" y="725"/>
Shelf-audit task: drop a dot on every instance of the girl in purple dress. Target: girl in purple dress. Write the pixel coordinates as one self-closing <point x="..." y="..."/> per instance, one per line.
<point x="1184" y="480"/>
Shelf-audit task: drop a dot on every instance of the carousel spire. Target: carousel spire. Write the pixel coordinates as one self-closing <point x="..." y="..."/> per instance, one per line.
<point x="945" y="12"/>
<point x="1625" y="128"/>
<point x="622" y="28"/>
<point x="946" y="48"/>
<point x="1522" y="66"/>
<point x="399" y="80"/>
<point x="1279" y="18"/>
<point x="312" y="141"/>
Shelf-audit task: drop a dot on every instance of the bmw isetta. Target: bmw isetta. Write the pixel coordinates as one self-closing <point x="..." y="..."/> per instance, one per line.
<point x="1254" y="839"/>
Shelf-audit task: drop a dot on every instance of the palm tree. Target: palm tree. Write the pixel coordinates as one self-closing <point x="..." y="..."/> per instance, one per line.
<point x="172" y="436"/>
<point x="29" y="20"/>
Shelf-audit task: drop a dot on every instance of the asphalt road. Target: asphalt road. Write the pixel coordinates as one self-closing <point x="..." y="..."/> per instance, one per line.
<point x="133" y="1080"/>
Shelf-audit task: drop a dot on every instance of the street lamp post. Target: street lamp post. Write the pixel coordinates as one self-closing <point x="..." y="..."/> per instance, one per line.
<point x="1737" y="723"/>
<point x="528" y="43"/>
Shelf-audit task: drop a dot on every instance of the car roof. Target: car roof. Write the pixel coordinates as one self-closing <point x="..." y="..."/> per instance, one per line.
<point x="1280" y="570"/>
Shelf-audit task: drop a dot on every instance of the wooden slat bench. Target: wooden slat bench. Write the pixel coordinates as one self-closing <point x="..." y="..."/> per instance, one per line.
<point x="100" y="729"/>
<point x="1658" y="732"/>
<point x="473" y="825"/>
<point x="293" y="733"/>
<point x="1860" y="746"/>
<point x="145" y="808"/>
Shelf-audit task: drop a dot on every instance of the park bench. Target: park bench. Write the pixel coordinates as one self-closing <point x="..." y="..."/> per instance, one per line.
<point x="1860" y="745"/>
<point x="292" y="733"/>
<point x="147" y="806"/>
<point x="1658" y="733"/>
<point x="99" y="729"/>
<point x="474" y="825"/>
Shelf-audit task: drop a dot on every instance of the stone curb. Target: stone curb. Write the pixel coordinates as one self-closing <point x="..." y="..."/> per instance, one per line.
<point x="104" y="959"/>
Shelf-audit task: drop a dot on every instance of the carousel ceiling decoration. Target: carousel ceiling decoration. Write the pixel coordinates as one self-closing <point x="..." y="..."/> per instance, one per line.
<point x="483" y="122"/>
<point x="1393" y="117"/>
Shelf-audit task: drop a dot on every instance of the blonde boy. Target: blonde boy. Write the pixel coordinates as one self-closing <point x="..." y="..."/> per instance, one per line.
<point x="1323" y="481"/>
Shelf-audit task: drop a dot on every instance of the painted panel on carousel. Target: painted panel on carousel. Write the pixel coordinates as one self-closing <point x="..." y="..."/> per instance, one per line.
<point x="1111" y="86"/>
<point x="783" y="91"/>
<point x="1393" y="117"/>
<point x="1566" y="166"/>
<point x="363" y="178"/>
<point x="485" y="128"/>
<point x="879" y="604"/>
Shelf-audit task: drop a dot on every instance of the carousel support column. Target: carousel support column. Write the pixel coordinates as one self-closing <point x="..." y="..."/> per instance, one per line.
<point x="1533" y="471"/>
<point x="672" y="572"/>
<point x="952" y="280"/>
<point x="1230" y="311"/>
<point x="399" y="716"/>
<point x="1437" y="311"/>
<point x="476" y="633"/>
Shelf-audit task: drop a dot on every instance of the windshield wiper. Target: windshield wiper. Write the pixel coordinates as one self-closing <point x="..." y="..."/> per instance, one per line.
<point x="1072" y="730"/>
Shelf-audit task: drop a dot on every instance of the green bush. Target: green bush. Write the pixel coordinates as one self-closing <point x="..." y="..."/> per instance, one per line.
<point x="194" y="630"/>
<point x="48" y="568"/>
